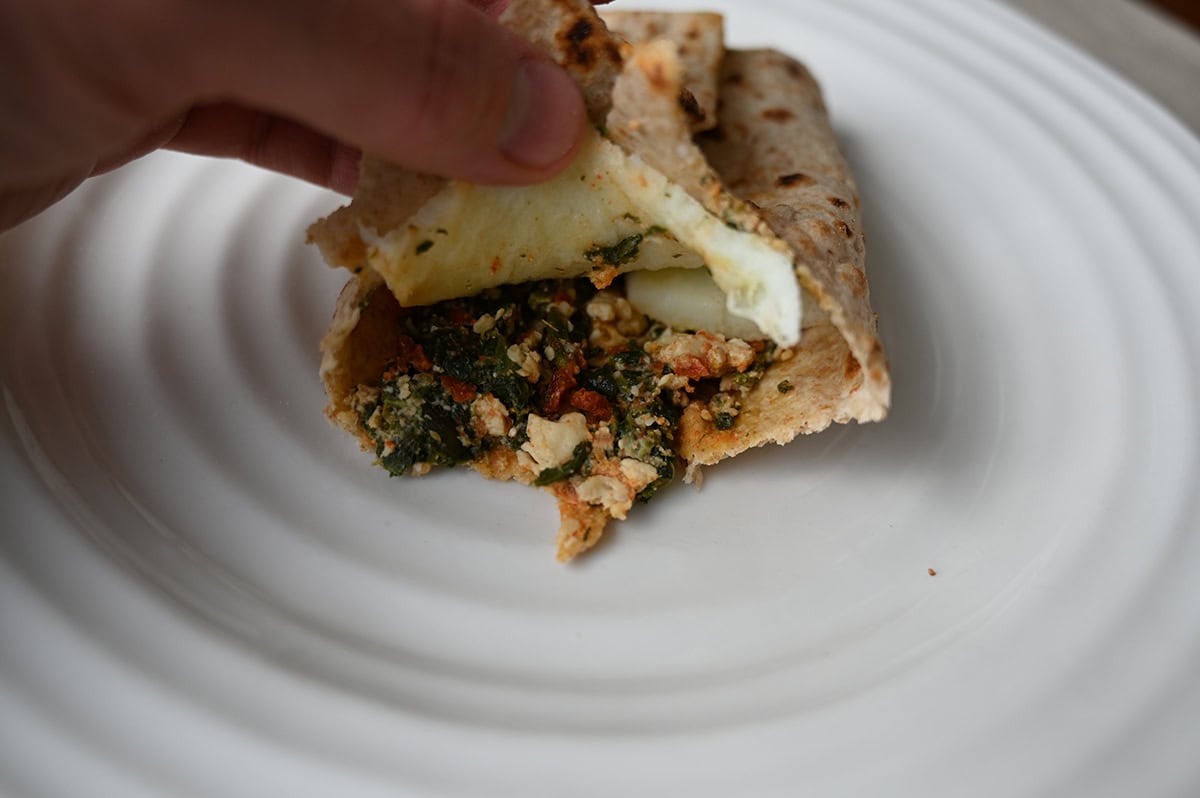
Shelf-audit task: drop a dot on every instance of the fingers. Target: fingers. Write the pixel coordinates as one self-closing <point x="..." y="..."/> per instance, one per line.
<point x="19" y="204"/>
<point x="270" y="141"/>
<point x="435" y="85"/>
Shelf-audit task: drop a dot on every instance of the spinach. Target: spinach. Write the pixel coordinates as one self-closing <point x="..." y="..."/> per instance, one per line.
<point x="568" y="469"/>
<point x="618" y="254"/>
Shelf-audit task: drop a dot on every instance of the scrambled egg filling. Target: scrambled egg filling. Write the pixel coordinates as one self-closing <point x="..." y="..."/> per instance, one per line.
<point x="575" y="383"/>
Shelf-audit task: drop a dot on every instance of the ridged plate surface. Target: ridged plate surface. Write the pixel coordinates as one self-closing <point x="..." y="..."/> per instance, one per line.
<point x="207" y="590"/>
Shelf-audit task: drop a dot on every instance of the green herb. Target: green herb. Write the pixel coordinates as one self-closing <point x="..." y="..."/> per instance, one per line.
<point x="784" y="386"/>
<point x="723" y="421"/>
<point x="570" y="468"/>
<point x="646" y="416"/>
<point x="415" y="421"/>
<point x="424" y="246"/>
<point x="618" y="254"/>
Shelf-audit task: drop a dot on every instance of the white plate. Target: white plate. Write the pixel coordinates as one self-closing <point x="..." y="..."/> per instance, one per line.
<point x="206" y="590"/>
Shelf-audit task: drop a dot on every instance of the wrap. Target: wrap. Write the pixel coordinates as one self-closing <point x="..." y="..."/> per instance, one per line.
<point x="765" y="164"/>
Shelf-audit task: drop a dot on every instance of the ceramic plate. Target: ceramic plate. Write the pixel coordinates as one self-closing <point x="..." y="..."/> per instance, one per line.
<point x="207" y="590"/>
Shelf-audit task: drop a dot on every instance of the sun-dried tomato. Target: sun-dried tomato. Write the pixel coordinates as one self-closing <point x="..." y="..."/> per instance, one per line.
<point x="410" y="354"/>
<point x="561" y="382"/>
<point x="592" y="404"/>
<point x="691" y="367"/>
<point x="459" y="390"/>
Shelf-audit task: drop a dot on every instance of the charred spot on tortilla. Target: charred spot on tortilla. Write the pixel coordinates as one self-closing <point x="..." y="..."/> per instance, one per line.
<point x="576" y="38"/>
<point x="783" y="181"/>
<point x="687" y="101"/>
<point x="692" y="285"/>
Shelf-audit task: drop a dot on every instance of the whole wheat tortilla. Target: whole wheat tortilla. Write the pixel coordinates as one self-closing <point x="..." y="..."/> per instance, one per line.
<point x="775" y="152"/>
<point x="463" y="238"/>
<point x="776" y="149"/>
<point x="569" y="31"/>
<point x="700" y="40"/>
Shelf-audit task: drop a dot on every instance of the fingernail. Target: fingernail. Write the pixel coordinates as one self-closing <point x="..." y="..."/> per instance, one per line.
<point x="545" y="115"/>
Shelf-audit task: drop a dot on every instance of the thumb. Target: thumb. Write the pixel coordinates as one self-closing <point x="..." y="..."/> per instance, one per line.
<point x="437" y="86"/>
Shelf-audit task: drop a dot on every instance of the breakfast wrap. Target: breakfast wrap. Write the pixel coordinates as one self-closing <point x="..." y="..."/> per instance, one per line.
<point x="690" y="287"/>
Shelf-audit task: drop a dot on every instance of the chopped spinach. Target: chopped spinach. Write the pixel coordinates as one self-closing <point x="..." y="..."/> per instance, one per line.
<point x="415" y="421"/>
<point x="420" y="413"/>
<point x="623" y="251"/>
<point x="568" y="469"/>
<point x="618" y="254"/>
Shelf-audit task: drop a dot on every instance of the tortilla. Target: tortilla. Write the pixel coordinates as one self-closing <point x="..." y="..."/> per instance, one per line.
<point x="770" y="170"/>
<point x="776" y="149"/>
<point x="700" y="38"/>
<point x="569" y="31"/>
<point x="640" y="197"/>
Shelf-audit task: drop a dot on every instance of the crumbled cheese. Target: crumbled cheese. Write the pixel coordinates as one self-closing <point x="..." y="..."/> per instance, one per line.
<point x="365" y="395"/>
<point x="719" y="355"/>
<point x="490" y="415"/>
<point x="528" y="360"/>
<point x="601" y="308"/>
<point x="483" y="324"/>
<point x="551" y="443"/>
<point x="637" y="473"/>
<point x="614" y="320"/>
<point x="608" y="492"/>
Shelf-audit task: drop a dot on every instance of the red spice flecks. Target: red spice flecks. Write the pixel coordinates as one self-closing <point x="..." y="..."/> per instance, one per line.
<point x="592" y="404"/>
<point x="691" y="367"/>
<point x="495" y="265"/>
<point x="459" y="390"/>
<point x="411" y="354"/>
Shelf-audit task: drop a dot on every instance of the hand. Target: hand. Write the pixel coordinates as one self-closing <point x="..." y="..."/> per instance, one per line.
<point x="299" y="86"/>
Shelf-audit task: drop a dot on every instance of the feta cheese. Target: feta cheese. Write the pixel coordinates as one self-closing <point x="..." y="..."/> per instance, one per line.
<point x="490" y="415"/>
<point x="551" y="443"/>
<point x="717" y="355"/>
<point x="528" y="360"/>
<point x="608" y="492"/>
<point x="637" y="473"/>
<point x="614" y="320"/>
